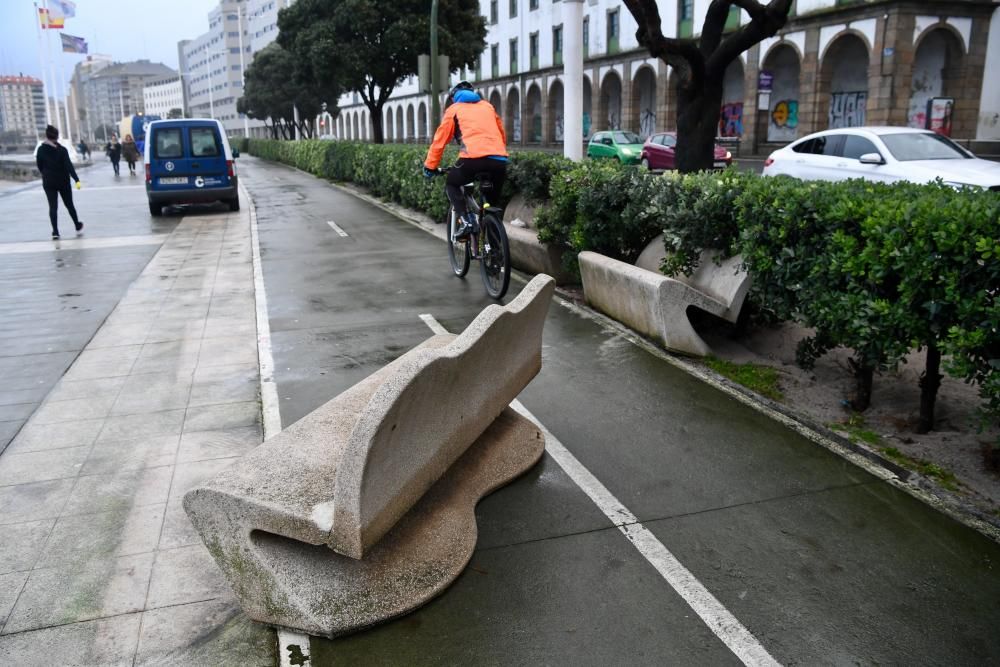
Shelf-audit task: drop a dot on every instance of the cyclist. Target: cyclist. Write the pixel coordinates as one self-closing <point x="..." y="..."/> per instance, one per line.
<point x="474" y="123"/>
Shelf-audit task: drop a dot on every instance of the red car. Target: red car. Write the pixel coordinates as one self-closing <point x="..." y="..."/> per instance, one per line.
<point x="658" y="153"/>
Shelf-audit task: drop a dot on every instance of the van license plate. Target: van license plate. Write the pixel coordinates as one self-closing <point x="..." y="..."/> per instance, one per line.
<point x="720" y="165"/>
<point x="174" y="180"/>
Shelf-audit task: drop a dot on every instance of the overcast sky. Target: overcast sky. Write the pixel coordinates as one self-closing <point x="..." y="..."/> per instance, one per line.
<point x="123" y="29"/>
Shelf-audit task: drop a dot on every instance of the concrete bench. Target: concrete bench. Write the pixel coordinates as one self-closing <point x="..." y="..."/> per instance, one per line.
<point x="364" y="509"/>
<point x="657" y="306"/>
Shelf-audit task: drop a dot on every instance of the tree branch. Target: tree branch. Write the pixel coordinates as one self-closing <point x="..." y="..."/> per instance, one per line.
<point x="681" y="54"/>
<point x="715" y="23"/>
<point x="765" y="22"/>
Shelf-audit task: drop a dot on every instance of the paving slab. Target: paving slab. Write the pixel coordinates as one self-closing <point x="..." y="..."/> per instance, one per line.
<point x="109" y="642"/>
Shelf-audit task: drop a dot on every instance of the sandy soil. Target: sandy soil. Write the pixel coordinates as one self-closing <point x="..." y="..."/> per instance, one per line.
<point x="956" y="444"/>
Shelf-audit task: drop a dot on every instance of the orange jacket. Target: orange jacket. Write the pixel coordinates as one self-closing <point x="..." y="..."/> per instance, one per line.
<point x="482" y="132"/>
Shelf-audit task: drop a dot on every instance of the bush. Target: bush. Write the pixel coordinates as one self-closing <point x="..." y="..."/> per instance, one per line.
<point x="530" y="173"/>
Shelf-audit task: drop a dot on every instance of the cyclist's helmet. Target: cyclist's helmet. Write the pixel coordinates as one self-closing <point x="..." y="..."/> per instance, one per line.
<point x="461" y="85"/>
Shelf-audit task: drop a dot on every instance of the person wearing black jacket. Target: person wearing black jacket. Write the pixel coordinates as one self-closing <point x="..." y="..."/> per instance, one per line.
<point x="56" y="169"/>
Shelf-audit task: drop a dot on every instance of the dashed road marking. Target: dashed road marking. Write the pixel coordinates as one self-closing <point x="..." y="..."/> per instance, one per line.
<point x="719" y="619"/>
<point x="336" y="227"/>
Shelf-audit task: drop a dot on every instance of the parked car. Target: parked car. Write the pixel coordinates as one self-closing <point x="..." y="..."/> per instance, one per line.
<point x="886" y="154"/>
<point x="189" y="161"/>
<point x="658" y="153"/>
<point x="615" y="144"/>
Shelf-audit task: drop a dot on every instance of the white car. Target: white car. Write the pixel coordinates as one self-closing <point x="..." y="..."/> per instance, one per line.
<point x="883" y="154"/>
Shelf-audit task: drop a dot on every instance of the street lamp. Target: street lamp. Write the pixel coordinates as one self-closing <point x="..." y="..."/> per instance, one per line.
<point x="211" y="102"/>
<point x="243" y="70"/>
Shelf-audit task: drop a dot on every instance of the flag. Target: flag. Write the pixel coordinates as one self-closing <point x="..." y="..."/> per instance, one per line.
<point x="49" y="21"/>
<point x="62" y="8"/>
<point x="71" y="44"/>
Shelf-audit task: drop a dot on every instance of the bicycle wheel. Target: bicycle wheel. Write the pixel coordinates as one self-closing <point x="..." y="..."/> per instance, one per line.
<point x="459" y="252"/>
<point x="495" y="263"/>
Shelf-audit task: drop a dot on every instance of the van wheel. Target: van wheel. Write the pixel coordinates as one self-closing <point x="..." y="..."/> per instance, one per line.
<point x="155" y="210"/>
<point x="234" y="204"/>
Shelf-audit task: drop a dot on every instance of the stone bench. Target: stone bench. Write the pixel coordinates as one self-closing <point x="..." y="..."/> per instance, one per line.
<point x="364" y="509"/>
<point x="657" y="306"/>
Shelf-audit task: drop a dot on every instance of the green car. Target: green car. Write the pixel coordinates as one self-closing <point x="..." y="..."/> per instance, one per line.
<point x="626" y="147"/>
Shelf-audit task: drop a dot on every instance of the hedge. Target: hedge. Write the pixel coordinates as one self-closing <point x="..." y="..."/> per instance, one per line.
<point x="880" y="269"/>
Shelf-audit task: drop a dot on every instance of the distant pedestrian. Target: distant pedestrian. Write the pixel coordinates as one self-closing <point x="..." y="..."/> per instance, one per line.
<point x="56" y="169"/>
<point x="114" y="151"/>
<point x="130" y="152"/>
<point x="84" y="150"/>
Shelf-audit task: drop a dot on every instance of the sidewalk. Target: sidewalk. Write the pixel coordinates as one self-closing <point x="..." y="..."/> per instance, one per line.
<point x="99" y="562"/>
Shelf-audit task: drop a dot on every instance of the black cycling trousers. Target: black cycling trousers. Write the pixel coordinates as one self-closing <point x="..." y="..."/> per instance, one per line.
<point x="465" y="172"/>
<point x="53" y="194"/>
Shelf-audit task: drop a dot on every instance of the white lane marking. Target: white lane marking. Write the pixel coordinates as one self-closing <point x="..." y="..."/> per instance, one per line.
<point x="80" y="243"/>
<point x="719" y="619"/>
<point x="434" y="325"/>
<point x="85" y="188"/>
<point x="336" y="227"/>
<point x="291" y="645"/>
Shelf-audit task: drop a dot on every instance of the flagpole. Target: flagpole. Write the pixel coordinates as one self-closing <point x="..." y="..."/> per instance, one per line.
<point x="62" y="75"/>
<point x="41" y="62"/>
<point x="52" y="68"/>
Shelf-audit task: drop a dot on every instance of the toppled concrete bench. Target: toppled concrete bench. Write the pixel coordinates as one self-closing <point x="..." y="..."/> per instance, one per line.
<point x="364" y="509"/>
<point x="657" y="306"/>
<point x="527" y="253"/>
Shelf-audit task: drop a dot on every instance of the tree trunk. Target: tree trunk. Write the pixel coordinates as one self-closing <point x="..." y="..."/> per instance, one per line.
<point x="378" y="134"/>
<point x="864" y="376"/>
<point x="930" y="380"/>
<point x="697" y="124"/>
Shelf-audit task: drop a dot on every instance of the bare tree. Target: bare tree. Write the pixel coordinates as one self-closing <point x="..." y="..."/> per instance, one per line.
<point x="701" y="65"/>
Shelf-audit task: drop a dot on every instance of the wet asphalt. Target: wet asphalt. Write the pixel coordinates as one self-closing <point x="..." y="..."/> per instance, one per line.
<point x="822" y="562"/>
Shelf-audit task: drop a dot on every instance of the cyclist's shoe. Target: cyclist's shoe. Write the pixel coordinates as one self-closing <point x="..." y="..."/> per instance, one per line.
<point x="468" y="226"/>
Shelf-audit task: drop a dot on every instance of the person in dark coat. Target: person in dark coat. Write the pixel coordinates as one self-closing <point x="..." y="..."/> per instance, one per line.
<point x="56" y="169"/>
<point x="114" y="151"/>
<point x="130" y="152"/>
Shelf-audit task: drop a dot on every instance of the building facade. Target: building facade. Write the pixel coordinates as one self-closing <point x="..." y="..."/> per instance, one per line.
<point x="837" y="62"/>
<point x="162" y="96"/>
<point x="22" y="106"/>
<point x="104" y="92"/>
<point x="212" y="63"/>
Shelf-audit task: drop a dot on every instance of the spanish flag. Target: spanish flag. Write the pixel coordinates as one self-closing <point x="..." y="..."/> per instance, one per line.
<point x="49" y="21"/>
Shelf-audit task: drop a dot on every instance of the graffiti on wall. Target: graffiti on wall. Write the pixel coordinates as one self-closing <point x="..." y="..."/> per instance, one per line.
<point x="848" y="109"/>
<point x="647" y="122"/>
<point x="939" y="113"/>
<point x="559" y="127"/>
<point x="586" y="125"/>
<point x="731" y="120"/>
<point x="786" y="114"/>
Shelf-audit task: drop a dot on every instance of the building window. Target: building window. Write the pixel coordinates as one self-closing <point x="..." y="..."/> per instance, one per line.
<point x="495" y="60"/>
<point x="533" y="50"/>
<point x="513" y="56"/>
<point x="532" y="4"/>
<point x="586" y="36"/>
<point x="685" y="17"/>
<point x="613" y="31"/>
<point x="513" y="8"/>
<point x="557" y="44"/>
<point x="493" y="11"/>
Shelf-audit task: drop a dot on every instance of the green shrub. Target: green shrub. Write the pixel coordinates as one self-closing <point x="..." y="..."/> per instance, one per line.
<point x="530" y="173"/>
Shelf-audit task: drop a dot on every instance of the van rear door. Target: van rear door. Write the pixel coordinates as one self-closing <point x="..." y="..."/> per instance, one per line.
<point x="166" y="153"/>
<point x="206" y="159"/>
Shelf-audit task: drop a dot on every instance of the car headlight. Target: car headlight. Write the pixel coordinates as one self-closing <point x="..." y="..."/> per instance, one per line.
<point x="626" y="151"/>
<point x="729" y="156"/>
<point x="960" y="186"/>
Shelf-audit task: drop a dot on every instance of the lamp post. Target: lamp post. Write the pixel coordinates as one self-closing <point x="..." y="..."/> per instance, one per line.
<point x="435" y="68"/>
<point x="243" y="75"/>
<point x="211" y="102"/>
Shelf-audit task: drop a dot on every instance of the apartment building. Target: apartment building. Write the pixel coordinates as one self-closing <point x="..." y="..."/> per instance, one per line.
<point x="162" y="96"/>
<point x="102" y="92"/>
<point x="22" y="106"/>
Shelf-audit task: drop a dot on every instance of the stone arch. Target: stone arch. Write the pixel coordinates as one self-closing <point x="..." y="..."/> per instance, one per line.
<point x="556" y="103"/>
<point x="497" y="103"/>
<point x="782" y="118"/>
<point x="937" y="73"/>
<point x="848" y="32"/>
<point x="609" y="109"/>
<point x="533" y="109"/>
<point x="356" y="134"/>
<point x="399" y="124"/>
<point x="340" y="126"/>
<point x="843" y="80"/>
<point x="643" y="119"/>
<point x="731" y="114"/>
<point x="411" y="124"/>
<point x="422" y="121"/>
<point x="588" y="107"/>
<point x="388" y="128"/>
<point x="512" y="117"/>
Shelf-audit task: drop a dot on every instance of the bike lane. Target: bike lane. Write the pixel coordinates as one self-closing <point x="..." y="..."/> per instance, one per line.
<point x="819" y="560"/>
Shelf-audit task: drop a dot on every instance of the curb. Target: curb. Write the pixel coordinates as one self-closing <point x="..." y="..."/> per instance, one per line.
<point x="908" y="481"/>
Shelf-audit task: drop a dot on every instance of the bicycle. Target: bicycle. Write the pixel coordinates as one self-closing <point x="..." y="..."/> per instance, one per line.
<point x="489" y="246"/>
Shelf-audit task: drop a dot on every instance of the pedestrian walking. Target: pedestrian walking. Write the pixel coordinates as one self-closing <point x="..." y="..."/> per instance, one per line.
<point x="114" y="151"/>
<point x="56" y="169"/>
<point x="84" y="150"/>
<point x="130" y="152"/>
